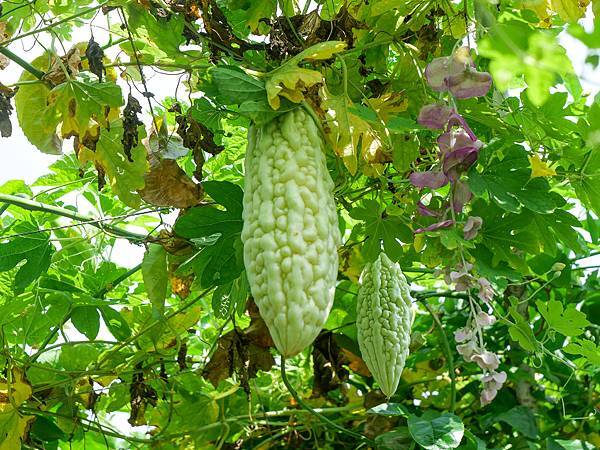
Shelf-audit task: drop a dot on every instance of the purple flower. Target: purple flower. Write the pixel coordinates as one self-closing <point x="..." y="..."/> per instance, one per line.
<point x="456" y="73"/>
<point x="469" y="84"/>
<point x="487" y="395"/>
<point x="484" y="319"/>
<point x="494" y="380"/>
<point x="460" y="196"/>
<point x="472" y="226"/>
<point x="486" y="360"/>
<point x="456" y="119"/>
<point x="467" y="350"/>
<point x="430" y="179"/>
<point x="435" y="116"/>
<point x="486" y="292"/>
<point x="492" y="383"/>
<point x="455" y="139"/>
<point x="425" y="211"/>
<point x="436" y="226"/>
<point x="463" y="334"/>
<point x="459" y="161"/>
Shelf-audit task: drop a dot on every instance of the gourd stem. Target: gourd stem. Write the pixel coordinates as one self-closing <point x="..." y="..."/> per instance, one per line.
<point x="308" y="408"/>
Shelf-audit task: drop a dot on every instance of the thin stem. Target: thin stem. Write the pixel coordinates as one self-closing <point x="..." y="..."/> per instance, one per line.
<point x="32" y="205"/>
<point x="53" y="25"/>
<point x="100" y="294"/>
<point x="110" y="286"/>
<point x="24" y="64"/>
<point x="449" y="357"/>
<point x="147" y="328"/>
<point x="308" y="408"/>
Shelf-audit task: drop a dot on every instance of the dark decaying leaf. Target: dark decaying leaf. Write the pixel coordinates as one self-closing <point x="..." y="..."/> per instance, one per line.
<point x="141" y="394"/>
<point x="131" y="122"/>
<point x="328" y="365"/>
<point x="197" y="137"/>
<point x="94" y="55"/>
<point x="68" y="65"/>
<point x="312" y="29"/>
<point x="217" y="31"/>
<point x="5" y="110"/>
<point x="166" y="184"/>
<point x="243" y="352"/>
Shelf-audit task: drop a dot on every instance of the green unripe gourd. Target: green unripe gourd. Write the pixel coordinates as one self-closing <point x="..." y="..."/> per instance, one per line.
<point x="384" y="318"/>
<point x="290" y="231"/>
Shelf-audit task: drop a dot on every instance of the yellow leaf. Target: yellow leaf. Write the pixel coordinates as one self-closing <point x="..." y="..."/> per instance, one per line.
<point x="542" y="10"/>
<point x="539" y="168"/>
<point x="350" y="135"/>
<point x="419" y="242"/>
<point x="290" y="81"/>
<point x="388" y="104"/>
<point x="322" y="50"/>
<point x="351" y="263"/>
<point x="12" y="424"/>
<point x="569" y="10"/>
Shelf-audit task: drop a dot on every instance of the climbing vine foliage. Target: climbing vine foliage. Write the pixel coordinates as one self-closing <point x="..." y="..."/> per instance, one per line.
<point x="462" y="142"/>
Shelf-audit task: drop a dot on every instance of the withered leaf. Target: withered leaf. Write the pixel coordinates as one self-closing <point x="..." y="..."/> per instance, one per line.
<point x="243" y="352"/>
<point x="5" y="110"/>
<point x="166" y="184"/>
<point x="70" y="63"/>
<point x="131" y="122"/>
<point x="328" y="365"/>
<point x="94" y="55"/>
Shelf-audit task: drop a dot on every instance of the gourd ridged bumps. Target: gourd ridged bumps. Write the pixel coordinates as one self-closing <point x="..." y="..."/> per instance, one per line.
<point x="290" y="231"/>
<point x="384" y="317"/>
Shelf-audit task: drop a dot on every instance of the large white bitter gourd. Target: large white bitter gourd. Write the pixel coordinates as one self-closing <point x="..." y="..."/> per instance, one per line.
<point x="290" y="231"/>
<point x="384" y="317"/>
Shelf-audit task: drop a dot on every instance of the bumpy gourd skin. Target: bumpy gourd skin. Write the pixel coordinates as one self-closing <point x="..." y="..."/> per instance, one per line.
<point x="290" y="231"/>
<point x="384" y="317"/>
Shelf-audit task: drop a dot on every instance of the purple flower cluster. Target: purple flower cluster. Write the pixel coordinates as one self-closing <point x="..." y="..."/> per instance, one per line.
<point x="457" y="74"/>
<point x="468" y="345"/>
<point x="459" y="147"/>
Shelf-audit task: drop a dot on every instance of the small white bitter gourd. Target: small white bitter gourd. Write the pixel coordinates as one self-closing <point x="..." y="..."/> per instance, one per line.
<point x="384" y="317"/>
<point x="290" y="230"/>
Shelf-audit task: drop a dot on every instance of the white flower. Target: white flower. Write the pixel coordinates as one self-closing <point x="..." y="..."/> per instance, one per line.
<point x="484" y="319"/>
<point x="486" y="360"/>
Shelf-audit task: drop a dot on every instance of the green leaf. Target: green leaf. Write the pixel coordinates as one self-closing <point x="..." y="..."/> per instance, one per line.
<point x="404" y="151"/>
<point x="521" y="419"/>
<point x="34" y="248"/>
<point x="380" y="228"/>
<point x="521" y="331"/>
<point x="115" y="323"/>
<point x="503" y="179"/>
<point x="217" y="232"/>
<point x="586" y="348"/>
<point x="390" y="409"/>
<point x="87" y="320"/>
<point x="568" y="322"/>
<point x="436" y="431"/>
<point x="236" y="86"/>
<point x="472" y="442"/>
<point x="37" y="120"/>
<point x="156" y="276"/>
<point x="125" y="177"/>
<point x="260" y="112"/>
<point x="587" y="183"/>
<point x="78" y="101"/>
<point x="563" y="444"/>
<point x="46" y="429"/>
<point x="398" y="439"/>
